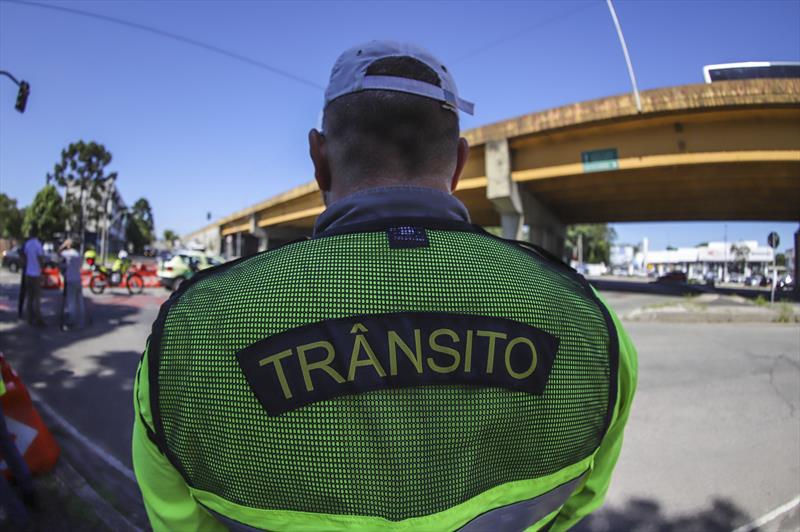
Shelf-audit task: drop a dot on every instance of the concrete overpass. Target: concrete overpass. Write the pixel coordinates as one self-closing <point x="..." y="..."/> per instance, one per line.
<point x="722" y="151"/>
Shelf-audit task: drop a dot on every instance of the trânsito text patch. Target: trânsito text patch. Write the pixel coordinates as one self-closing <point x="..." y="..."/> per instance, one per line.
<point x="359" y="354"/>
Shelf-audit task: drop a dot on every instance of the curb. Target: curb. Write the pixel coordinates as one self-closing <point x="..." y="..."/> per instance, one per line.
<point x="116" y="479"/>
<point x="79" y="487"/>
<point x="681" y="314"/>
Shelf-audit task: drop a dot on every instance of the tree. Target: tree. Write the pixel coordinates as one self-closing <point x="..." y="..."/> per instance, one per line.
<point x="740" y="254"/>
<point x="170" y="237"/>
<point x="596" y="240"/>
<point x="46" y="214"/>
<point x="142" y="212"/>
<point x="140" y="229"/>
<point x="82" y="174"/>
<point x="10" y="218"/>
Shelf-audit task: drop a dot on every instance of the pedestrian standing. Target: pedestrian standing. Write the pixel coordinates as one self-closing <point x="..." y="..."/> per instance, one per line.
<point x="71" y="263"/>
<point x="402" y="369"/>
<point x="34" y="260"/>
<point x="21" y="299"/>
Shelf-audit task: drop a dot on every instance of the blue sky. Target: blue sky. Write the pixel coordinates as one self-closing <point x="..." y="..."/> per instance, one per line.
<point x="194" y="131"/>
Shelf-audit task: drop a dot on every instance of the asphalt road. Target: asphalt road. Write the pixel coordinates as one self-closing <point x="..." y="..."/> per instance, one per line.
<point x="86" y="376"/>
<point x="713" y="441"/>
<point x="714" y="436"/>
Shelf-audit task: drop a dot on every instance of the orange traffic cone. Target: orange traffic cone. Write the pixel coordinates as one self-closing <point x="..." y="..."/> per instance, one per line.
<point x="31" y="436"/>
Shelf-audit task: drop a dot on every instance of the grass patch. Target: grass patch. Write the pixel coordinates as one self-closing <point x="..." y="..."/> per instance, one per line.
<point x="665" y="304"/>
<point x="785" y="313"/>
<point x="688" y="302"/>
<point x="761" y="301"/>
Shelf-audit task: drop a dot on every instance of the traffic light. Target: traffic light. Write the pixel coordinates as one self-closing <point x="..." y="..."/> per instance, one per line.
<point x="22" y="96"/>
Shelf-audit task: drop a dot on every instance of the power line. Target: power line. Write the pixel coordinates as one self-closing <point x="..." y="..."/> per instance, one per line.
<point x="524" y="30"/>
<point x="174" y="36"/>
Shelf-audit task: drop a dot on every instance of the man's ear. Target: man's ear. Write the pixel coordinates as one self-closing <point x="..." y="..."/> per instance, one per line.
<point x="319" y="156"/>
<point x="461" y="160"/>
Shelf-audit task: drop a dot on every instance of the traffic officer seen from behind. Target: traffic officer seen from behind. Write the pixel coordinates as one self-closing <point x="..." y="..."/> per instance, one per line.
<point x="401" y="369"/>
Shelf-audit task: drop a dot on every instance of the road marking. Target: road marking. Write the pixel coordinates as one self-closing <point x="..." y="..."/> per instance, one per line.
<point x="766" y="518"/>
<point x="66" y="426"/>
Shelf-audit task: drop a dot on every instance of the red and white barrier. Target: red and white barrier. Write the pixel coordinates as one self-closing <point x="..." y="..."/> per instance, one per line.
<point x="148" y="274"/>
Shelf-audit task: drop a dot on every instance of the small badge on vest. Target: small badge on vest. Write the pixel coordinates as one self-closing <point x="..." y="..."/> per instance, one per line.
<point x="407" y="237"/>
<point x="354" y="355"/>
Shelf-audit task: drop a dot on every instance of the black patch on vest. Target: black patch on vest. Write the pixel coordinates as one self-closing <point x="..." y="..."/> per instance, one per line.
<point x="355" y="355"/>
<point x="407" y="237"/>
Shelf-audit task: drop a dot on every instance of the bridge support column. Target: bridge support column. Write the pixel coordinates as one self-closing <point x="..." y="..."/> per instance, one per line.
<point x="517" y="206"/>
<point x="260" y="233"/>
<point x="544" y="227"/>
<point x="272" y="237"/>
<point x="501" y="190"/>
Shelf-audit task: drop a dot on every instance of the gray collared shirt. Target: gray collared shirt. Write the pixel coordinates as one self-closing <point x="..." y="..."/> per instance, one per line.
<point x="391" y="202"/>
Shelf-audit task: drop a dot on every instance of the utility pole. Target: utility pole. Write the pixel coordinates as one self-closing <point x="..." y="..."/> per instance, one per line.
<point x="725" y="260"/>
<point x="109" y="196"/>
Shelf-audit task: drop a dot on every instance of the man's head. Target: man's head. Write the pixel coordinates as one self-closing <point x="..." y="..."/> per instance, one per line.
<point x="391" y="118"/>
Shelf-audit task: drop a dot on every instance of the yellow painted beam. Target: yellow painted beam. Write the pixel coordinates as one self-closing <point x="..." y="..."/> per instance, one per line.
<point x="232" y="229"/>
<point x="291" y="216"/>
<point x="294" y="193"/>
<point x="471" y="183"/>
<point x="752" y="93"/>
<point x="651" y="161"/>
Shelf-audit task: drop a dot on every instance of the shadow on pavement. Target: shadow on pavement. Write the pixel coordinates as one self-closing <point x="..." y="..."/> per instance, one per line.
<point x="86" y="376"/>
<point x="645" y="515"/>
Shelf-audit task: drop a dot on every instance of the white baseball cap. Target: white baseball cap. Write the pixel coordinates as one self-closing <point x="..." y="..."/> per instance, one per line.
<point x="349" y="74"/>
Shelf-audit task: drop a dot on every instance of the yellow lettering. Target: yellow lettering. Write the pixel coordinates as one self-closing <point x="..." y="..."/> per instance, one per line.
<point x="371" y="360"/>
<point x="324" y="365"/>
<point x="276" y="359"/>
<point x="491" y="335"/>
<point x="444" y="350"/>
<point x="395" y="341"/>
<point x="468" y="352"/>
<point x="534" y="357"/>
<point x="358" y="328"/>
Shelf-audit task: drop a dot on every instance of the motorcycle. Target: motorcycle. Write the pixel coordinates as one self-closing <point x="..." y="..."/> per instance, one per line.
<point x="103" y="277"/>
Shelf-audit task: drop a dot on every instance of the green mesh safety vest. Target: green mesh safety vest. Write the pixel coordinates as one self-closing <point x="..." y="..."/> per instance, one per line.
<point x="394" y="369"/>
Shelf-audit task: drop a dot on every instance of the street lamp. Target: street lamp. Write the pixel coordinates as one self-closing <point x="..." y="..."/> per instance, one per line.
<point x="625" y="53"/>
<point x="22" y="94"/>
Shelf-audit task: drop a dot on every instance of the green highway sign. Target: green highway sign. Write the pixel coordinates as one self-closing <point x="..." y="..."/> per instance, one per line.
<point x="600" y="160"/>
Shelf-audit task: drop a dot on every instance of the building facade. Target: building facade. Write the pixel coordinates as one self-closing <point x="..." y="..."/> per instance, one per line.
<point x="718" y="260"/>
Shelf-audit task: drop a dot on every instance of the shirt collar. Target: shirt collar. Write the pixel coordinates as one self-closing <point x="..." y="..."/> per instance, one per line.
<point x="391" y="202"/>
